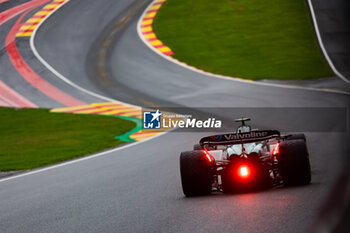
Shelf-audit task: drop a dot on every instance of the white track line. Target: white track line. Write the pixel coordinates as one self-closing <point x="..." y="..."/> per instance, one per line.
<point x="223" y="76"/>
<point x="59" y="75"/>
<point x="320" y="42"/>
<point x="66" y="80"/>
<point x="81" y="159"/>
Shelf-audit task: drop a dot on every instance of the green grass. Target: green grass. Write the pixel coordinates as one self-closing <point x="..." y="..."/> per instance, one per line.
<point x="31" y="138"/>
<point x="243" y="38"/>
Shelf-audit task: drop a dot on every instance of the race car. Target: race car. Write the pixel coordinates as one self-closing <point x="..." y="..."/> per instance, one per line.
<point x="245" y="160"/>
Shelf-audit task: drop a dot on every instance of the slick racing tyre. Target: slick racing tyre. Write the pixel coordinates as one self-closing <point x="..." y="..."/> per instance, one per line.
<point x="294" y="163"/>
<point x="196" y="173"/>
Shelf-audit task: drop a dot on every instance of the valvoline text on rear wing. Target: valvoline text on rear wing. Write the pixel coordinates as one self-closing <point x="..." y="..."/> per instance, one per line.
<point x="238" y="138"/>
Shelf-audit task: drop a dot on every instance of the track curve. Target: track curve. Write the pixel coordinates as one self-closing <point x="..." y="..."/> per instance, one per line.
<point x="138" y="189"/>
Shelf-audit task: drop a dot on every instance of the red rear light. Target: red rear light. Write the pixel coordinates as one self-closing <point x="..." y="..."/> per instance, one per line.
<point x="210" y="159"/>
<point x="243" y="171"/>
<point x="276" y="150"/>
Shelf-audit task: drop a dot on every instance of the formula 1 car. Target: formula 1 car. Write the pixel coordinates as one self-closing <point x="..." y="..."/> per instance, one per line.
<point x="244" y="160"/>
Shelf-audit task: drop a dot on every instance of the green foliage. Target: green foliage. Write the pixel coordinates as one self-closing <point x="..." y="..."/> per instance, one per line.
<point x="251" y="39"/>
<point x="31" y="138"/>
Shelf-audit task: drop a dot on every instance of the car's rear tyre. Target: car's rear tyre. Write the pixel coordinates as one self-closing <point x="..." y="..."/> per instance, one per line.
<point x="294" y="163"/>
<point x="196" y="173"/>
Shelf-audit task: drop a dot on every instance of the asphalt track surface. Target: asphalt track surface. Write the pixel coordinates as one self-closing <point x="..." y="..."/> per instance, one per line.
<point x="334" y="24"/>
<point x="138" y="189"/>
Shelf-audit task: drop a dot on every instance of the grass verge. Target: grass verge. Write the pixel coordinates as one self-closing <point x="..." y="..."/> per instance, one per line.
<point x="31" y="138"/>
<point x="243" y="38"/>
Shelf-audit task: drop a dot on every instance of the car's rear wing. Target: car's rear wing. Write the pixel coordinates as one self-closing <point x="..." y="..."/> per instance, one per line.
<point x="239" y="138"/>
